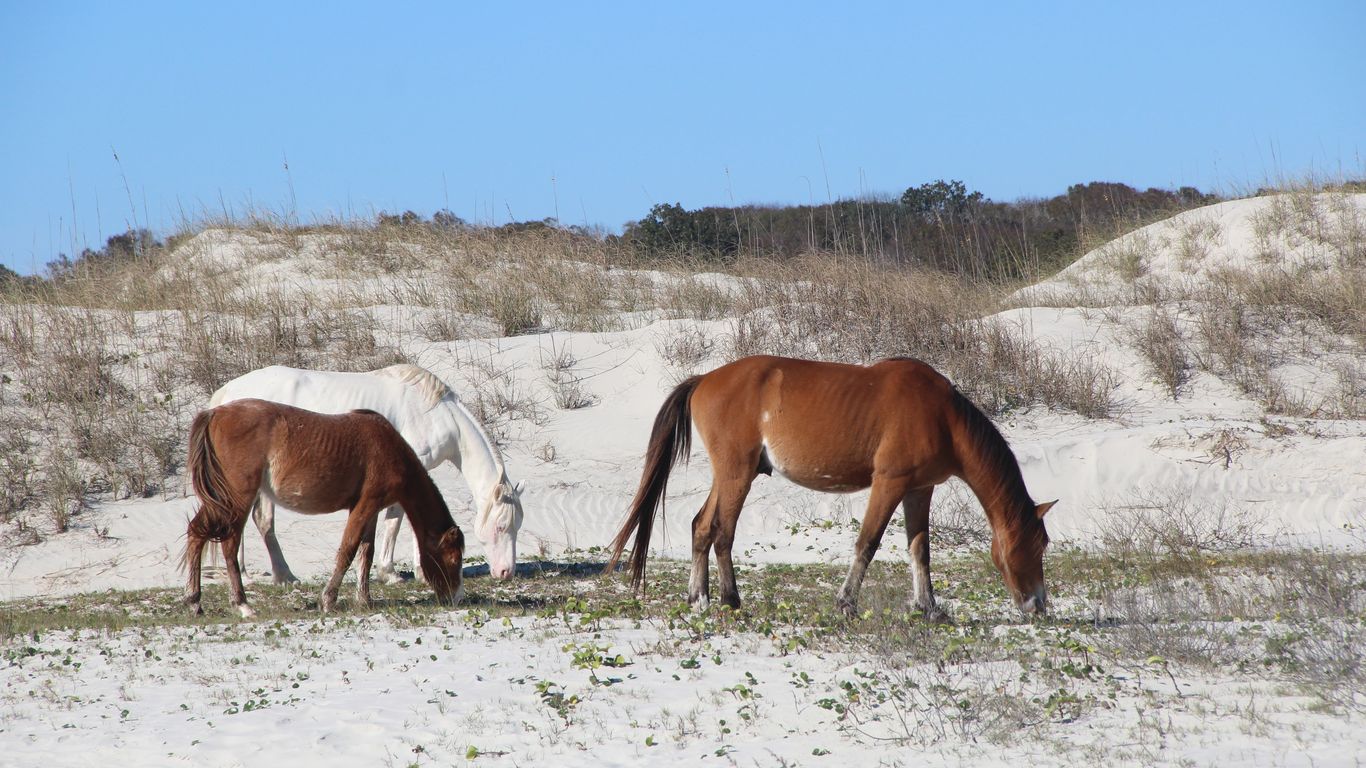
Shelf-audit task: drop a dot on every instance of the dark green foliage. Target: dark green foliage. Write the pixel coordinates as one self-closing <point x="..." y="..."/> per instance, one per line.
<point x="942" y="225"/>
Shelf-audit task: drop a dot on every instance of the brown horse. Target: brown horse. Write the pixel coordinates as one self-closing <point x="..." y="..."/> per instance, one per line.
<point x="314" y="464"/>
<point x="897" y="426"/>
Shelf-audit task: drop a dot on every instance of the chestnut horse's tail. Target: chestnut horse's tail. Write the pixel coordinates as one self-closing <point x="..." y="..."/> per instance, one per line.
<point x="219" y="504"/>
<point x="670" y="440"/>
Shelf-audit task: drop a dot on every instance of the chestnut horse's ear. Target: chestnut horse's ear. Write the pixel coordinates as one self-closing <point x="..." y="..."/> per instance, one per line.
<point x="453" y="536"/>
<point x="1043" y="508"/>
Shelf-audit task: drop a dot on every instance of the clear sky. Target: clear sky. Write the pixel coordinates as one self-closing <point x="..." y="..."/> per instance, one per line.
<point x="596" y="111"/>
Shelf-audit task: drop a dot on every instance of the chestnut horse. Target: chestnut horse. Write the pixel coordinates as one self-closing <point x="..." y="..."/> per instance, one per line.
<point x="898" y="427"/>
<point x="314" y="464"/>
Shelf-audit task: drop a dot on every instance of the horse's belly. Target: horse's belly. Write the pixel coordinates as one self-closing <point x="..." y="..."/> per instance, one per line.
<point x="297" y="502"/>
<point x="831" y="476"/>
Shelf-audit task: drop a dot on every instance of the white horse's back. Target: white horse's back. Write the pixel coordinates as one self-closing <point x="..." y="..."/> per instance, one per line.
<point x="428" y="414"/>
<point x="327" y="392"/>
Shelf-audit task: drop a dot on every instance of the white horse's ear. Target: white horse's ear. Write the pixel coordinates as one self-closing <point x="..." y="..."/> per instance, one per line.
<point x="519" y="487"/>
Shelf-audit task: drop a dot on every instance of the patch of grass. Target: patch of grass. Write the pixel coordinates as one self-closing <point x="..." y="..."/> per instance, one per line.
<point x="1161" y="343"/>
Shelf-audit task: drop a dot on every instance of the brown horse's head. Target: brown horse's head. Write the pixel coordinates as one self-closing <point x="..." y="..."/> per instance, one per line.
<point x="1018" y="555"/>
<point x="443" y="566"/>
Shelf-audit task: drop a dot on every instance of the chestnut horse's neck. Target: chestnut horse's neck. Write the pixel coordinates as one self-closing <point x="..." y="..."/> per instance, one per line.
<point x="425" y="507"/>
<point x="990" y="469"/>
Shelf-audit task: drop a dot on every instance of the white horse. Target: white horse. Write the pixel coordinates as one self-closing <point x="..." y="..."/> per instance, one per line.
<point x="430" y="417"/>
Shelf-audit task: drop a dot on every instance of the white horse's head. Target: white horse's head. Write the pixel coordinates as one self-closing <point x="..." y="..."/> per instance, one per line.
<point x="496" y="525"/>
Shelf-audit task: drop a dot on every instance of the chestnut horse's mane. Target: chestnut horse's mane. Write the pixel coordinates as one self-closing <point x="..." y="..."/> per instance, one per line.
<point x="1001" y="485"/>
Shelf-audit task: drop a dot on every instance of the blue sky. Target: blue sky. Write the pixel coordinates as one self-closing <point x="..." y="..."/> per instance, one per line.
<point x="599" y="110"/>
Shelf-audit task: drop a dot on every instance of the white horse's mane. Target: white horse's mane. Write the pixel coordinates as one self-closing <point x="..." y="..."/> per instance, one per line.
<point x="426" y="382"/>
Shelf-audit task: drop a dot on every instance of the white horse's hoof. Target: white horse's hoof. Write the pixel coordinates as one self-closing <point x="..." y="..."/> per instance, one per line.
<point x="391" y="577"/>
<point x="246" y="611"/>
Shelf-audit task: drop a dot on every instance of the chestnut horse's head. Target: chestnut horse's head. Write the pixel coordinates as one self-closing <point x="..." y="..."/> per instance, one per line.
<point x="444" y="566"/>
<point x="1018" y="555"/>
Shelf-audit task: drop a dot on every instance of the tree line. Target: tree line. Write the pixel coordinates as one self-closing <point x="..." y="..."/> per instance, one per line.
<point x="940" y="224"/>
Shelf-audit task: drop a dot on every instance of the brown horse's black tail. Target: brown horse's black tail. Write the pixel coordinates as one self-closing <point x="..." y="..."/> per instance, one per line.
<point x="670" y="440"/>
<point x="218" y="503"/>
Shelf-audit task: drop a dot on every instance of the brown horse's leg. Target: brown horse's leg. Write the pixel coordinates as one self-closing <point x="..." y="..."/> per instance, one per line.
<point x="886" y="494"/>
<point x="730" y="498"/>
<point x="362" y="515"/>
<point x="237" y="595"/>
<point x="917" y="508"/>
<point x="364" y="556"/>
<point x="194" y="554"/>
<point x="703" y="526"/>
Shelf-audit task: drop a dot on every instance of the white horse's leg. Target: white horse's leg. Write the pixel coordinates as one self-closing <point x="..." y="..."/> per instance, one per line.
<point x="264" y="515"/>
<point x="393" y="517"/>
<point x="417" y="567"/>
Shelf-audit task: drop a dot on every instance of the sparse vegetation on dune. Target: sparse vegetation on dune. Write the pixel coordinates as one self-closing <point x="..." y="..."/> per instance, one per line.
<point x="1171" y="603"/>
<point x="116" y="349"/>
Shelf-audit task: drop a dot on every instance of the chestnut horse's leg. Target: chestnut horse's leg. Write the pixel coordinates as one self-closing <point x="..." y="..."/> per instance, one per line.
<point x="263" y="514"/>
<point x="886" y="494"/>
<point x="730" y="498"/>
<point x="364" y="556"/>
<point x="703" y="526"/>
<point x="236" y="594"/>
<point x="194" y="554"/>
<point x="362" y="517"/>
<point x="917" y="507"/>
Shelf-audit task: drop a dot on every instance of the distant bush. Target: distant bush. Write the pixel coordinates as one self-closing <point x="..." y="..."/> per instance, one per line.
<point x="117" y="250"/>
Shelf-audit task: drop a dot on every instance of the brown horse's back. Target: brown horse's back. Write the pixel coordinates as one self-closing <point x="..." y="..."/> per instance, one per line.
<point x="308" y="462"/>
<point x="827" y="426"/>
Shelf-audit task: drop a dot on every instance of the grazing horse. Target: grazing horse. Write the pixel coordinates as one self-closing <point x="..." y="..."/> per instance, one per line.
<point x="315" y="464"/>
<point x="430" y="417"/>
<point x="898" y="427"/>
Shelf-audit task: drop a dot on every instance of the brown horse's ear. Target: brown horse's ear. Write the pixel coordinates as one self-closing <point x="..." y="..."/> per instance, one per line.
<point x="454" y="536"/>
<point x="1043" y="508"/>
